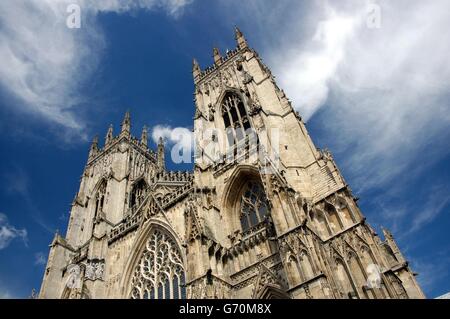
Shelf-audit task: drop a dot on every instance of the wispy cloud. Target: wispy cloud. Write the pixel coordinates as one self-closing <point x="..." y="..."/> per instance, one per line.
<point x="308" y="70"/>
<point x="16" y="182"/>
<point x="8" y="232"/>
<point x="431" y="273"/>
<point x="40" y="259"/>
<point x="387" y="99"/>
<point x="438" y="200"/>
<point x="43" y="62"/>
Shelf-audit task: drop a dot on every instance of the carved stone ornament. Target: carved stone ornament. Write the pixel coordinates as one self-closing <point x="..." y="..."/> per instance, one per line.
<point x="94" y="269"/>
<point x="210" y="112"/>
<point x="247" y="78"/>
<point x="123" y="147"/>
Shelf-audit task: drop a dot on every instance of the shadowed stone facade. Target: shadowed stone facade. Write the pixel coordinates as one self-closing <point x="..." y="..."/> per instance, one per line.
<point x="262" y="215"/>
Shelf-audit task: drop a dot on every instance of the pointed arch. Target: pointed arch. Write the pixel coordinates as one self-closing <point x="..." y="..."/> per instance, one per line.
<point x="294" y="270"/>
<point x="233" y="195"/>
<point x="138" y="191"/>
<point x="156" y="266"/>
<point x="268" y="285"/>
<point x="357" y="271"/>
<point x="305" y="265"/>
<point x="318" y="219"/>
<point x="344" y="279"/>
<point x="399" y="289"/>
<point x="254" y="206"/>
<point x="235" y="116"/>
<point x="333" y="218"/>
<point x="346" y="214"/>
<point x="99" y="198"/>
<point x="271" y="292"/>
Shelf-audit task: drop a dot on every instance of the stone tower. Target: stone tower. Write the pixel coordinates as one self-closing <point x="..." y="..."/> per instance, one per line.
<point x="264" y="214"/>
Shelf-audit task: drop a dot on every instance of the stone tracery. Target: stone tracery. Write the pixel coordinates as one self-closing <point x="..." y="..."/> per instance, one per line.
<point x="235" y="118"/>
<point x="254" y="207"/>
<point x="159" y="273"/>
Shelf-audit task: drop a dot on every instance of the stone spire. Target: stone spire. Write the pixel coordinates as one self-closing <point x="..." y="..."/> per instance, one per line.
<point x="393" y="245"/>
<point x="217" y="56"/>
<point x="94" y="147"/>
<point x="109" y="136"/>
<point x="144" y="136"/>
<point x="196" y="71"/>
<point x="161" y="162"/>
<point x="126" y="124"/>
<point x="240" y="39"/>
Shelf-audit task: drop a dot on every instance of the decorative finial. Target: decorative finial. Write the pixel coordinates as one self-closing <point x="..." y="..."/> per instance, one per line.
<point x="144" y="136"/>
<point x="196" y="71"/>
<point x="109" y="135"/>
<point x="240" y="39"/>
<point x="161" y="162"/>
<point x="387" y="234"/>
<point x="126" y="123"/>
<point x="217" y="56"/>
<point x="94" y="147"/>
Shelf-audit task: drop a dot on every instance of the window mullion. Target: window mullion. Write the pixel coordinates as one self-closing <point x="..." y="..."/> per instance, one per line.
<point x="232" y="126"/>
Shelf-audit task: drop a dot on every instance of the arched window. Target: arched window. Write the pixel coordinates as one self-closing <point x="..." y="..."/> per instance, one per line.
<point x="357" y="270"/>
<point x="254" y="206"/>
<point x="138" y="193"/>
<point x="235" y="118"/>
<point x="305" y="264"/>
<point x="294" y="270"/>
<point x="344" y="279"/>
<point x="345" y="213"/>
<point x="100" y="199"/>
<point x="320" y="223"/>
<point x="160" y="273"/>
<point x="333" y="218"/>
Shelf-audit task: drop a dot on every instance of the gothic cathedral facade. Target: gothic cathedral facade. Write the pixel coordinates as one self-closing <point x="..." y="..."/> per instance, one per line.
<point x="262" y="215"/>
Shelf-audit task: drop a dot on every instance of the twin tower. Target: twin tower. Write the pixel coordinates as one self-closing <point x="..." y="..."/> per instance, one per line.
<point x="263" y="214"/>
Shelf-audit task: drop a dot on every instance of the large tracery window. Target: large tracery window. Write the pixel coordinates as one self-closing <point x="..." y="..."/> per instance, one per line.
<point x="160" y="273"/>
<point x="254" y="205"/>
<point x="235" y="118"/>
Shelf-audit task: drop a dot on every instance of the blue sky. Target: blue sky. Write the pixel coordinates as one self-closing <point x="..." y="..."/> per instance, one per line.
<point x="377" y="97"/>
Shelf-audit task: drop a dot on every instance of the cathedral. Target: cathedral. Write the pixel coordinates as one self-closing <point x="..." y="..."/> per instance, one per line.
<point x="263" y="214"/>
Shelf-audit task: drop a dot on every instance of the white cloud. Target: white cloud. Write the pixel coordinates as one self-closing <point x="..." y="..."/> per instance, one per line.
<point x="43" y="63"/>
<point x="40" y="259"/>
<point x="386" y="90"/>
<point x="179" y="135"/>
<point x="307" y="72"/>
<point x="8" y="232"/>
<point x="16" y="182"/>
<point x="179" y="139"/>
